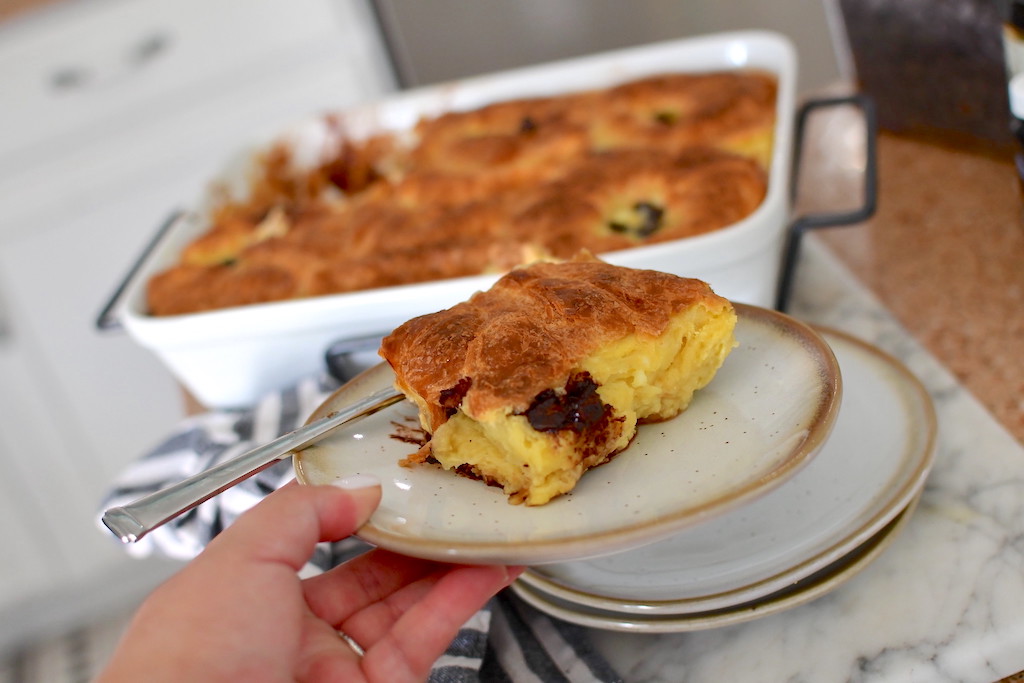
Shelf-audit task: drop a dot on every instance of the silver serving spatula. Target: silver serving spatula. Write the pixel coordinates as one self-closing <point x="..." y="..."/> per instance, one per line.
<point x="133" y="521"/>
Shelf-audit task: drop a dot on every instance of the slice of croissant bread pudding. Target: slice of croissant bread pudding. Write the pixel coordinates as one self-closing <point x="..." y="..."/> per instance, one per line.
<point x="548" y="373"/>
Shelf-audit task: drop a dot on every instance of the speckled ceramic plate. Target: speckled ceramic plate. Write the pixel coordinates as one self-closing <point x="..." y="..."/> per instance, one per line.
<point x="875" y="462"/>
<point x="765" y="415"/>
<point x="802" y="592"/>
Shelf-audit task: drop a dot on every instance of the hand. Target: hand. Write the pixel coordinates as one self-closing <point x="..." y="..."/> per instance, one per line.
<point x="239" y="611"/>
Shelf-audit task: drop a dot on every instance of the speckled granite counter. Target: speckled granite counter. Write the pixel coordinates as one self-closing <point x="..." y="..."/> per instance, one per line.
<point x="945" y="254"/>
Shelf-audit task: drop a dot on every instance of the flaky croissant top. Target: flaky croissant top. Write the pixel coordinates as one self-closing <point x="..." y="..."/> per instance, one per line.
<point x="503" y="346"/>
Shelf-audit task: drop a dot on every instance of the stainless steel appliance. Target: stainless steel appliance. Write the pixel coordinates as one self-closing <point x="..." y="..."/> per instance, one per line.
<point x="440" y="40"/>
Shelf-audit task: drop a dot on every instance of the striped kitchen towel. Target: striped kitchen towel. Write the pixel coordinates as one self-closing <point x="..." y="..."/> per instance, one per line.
<point x="507" y="640"/>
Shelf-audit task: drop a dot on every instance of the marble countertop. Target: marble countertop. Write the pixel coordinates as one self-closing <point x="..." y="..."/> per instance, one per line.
<point x="935" y="278"/>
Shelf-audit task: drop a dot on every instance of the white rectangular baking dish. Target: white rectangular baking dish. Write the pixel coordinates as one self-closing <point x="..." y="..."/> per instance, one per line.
<point x="231" y="357"/>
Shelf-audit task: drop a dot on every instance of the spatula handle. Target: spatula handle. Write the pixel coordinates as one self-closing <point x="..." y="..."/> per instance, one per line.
<point x="133" y="521"/>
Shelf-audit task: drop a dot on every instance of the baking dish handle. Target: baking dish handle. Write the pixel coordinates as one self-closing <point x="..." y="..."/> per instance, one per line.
<point x="108" y="319"/>
<point x="341" y="356"/>
<point x="802" y="224"/>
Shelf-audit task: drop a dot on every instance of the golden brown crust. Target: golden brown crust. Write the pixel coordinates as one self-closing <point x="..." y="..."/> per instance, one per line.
<point x="627" y="197"/>
<point x="525" y="135"/>
<point x="529" y="331"/>
<point x="484" y="190"/>
<point x="674" y="111"/>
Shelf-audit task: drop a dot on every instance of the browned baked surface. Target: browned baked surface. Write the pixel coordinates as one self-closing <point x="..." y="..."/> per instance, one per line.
<point x="504" y="346"/>
<point x="627" y="197"/>
<point x="656" y="159"/>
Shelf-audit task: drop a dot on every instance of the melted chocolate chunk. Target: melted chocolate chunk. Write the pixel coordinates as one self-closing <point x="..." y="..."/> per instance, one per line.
<point x="577" y="409"/>
<point x="450" y="399"/>
<point x="528" y="125"/>
<point x="666" y="118"/>
<point x="470" y="472"/>
<point x="413" y="434"/>
<point x="467" y="470"/>
<point x="649" y="218"/>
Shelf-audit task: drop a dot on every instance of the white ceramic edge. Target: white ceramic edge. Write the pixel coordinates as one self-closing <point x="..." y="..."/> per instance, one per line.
<point x="727" y="616"/>
<point x="230" y="358"/>
<point x="603" y="543"/>
<point x="902" y="492"/>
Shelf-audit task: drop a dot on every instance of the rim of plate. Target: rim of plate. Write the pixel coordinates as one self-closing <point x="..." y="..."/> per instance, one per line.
<point x="572" y="546"/>
<point x="908" y="489"/>
<point x="810" y="588"/>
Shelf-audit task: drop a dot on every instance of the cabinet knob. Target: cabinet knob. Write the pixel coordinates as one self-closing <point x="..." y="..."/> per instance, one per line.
<point x="6" y="327"/>
<point x="136" y="55"/>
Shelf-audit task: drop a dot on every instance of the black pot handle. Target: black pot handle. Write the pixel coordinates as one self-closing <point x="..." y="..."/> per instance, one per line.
<point x="802" y="224"/>
<point x="107" y="319"/>
<point x="339" y="356"/>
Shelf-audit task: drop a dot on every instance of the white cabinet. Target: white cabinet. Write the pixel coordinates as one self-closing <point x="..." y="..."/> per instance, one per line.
<point x="114" y="113"/>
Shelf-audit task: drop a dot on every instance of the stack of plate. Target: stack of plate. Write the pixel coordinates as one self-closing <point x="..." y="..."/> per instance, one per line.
<point x="766" y="492"/>
<point x="805" y="538"/>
